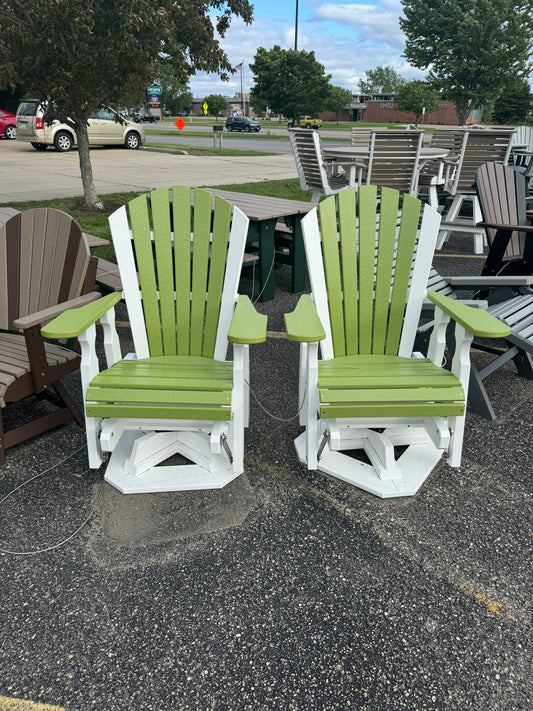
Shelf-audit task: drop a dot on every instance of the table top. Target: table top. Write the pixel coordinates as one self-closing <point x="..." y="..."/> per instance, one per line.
<point x="260" y="207"/>
<point x="426" y="152"/>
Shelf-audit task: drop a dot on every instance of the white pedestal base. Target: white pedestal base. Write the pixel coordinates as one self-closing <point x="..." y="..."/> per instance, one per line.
<point x="413" y="468"/>
<point x="121" y="474"/>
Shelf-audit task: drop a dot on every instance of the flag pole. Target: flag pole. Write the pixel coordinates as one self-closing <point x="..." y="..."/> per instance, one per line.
<point x="242" y="94"/>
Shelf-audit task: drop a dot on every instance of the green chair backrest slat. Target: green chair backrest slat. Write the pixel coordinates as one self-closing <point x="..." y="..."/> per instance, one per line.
<point x="366" y="253"/>
<point x="200" y="265"/>
<point x="163" y="261"/>
<point x="142" y="241"/>
<point x="181" y="214"/>
<point x="367" y="269"/>
<point x="217" y="263"/>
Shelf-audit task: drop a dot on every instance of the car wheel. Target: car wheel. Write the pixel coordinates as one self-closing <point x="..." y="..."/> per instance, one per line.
<point x="132" y="140"/>
<point x="248" y="129"/>
<point x="40" y="146"/>
<point x="9" y="132"/>
<point x="230" y="128"/>
<point x="308" y="125"/>
<point x="63" y="142"/>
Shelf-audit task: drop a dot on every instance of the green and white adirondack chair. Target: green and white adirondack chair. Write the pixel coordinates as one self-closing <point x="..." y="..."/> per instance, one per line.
<point x="369" y="391"/>
<point x="177" y="393"/>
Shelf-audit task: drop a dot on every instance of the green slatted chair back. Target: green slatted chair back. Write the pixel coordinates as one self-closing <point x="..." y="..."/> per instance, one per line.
<point x="370" y="292"/>
<point x="180" y="272"/>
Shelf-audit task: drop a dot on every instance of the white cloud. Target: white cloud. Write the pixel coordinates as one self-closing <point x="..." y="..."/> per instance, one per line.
<point x="372" y="25"/>
<point x="347" y="39"/>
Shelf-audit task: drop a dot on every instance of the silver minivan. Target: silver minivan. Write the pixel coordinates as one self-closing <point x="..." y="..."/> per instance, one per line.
<point x="106" y="127"/>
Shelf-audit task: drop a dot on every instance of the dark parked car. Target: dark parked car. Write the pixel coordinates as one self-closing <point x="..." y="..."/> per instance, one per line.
<point x="7" y="124"/>
<point x="242" y="123"/>
<point x="141" y="117"/>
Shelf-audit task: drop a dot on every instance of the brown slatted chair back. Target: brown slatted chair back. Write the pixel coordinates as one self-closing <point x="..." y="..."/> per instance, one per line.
<point x="502" y="195"/>
<point x="44" y="259"/>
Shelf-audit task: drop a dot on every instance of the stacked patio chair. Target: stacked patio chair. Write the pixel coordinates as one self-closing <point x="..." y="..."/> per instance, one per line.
<point x="315" y="173"/>
<point x="478" y="147"/>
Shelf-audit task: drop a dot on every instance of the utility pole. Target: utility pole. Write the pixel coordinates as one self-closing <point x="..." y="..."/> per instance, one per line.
<point x="296" y="29"/>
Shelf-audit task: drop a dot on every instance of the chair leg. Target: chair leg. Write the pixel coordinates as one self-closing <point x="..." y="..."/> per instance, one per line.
<point x="478" y="398"/>
<point x="524" y="364"/>
<point x="2" y="439"/>
<point x="69" y="402"/>
<point x="451" y="215"/>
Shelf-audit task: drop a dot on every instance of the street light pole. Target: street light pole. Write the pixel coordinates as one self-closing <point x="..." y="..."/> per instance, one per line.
<point x="296" y="29"/>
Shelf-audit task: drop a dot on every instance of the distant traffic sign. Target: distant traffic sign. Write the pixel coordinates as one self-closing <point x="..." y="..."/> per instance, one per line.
<point x="180" y="123"/>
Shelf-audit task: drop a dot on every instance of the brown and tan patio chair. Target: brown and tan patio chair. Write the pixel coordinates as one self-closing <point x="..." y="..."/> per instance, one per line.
<point x="44" y="267"/>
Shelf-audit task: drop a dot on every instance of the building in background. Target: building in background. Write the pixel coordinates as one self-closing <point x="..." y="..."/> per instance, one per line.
<point x="381" y="108"/>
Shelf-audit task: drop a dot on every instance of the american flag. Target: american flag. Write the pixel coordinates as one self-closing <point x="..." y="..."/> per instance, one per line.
<point x="239" y="66"/>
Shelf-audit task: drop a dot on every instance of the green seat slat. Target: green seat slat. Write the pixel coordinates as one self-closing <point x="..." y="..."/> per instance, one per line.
<point x="426" y="409"/>
<point x="168" y="412"/>
<point x="159" y="397"/>
<point x="367" y="382"/>
<point x="384" y="395"/>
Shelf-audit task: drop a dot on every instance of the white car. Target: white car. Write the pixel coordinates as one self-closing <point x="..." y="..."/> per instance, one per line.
<point x="106" y="127"/>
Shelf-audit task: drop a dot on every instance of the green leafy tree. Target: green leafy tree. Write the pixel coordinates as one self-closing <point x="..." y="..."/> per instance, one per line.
<point x="381" y="80"/>
<point x="175" y="93"/>
<point x="10" y="98"/>
<point x="216" y="104"/>
<point x="416" y="97"/>
<point x="177" y="103"/>
<point x="514" y="104"/>
<point x="472" y="47"/>
<point x="291" y="82"/>
<point x="338" y="99"/>
<point x="81" y="54"/>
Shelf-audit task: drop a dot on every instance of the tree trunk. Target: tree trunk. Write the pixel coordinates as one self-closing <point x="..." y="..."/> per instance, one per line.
<point x="91" y="198"/>
<point x="462" y="111"/>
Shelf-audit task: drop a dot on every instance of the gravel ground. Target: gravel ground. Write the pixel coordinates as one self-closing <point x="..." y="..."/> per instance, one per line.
<point x="286" y="590"/>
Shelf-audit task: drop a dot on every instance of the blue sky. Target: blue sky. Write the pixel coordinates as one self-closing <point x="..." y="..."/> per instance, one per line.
<point x="347" y="38"/>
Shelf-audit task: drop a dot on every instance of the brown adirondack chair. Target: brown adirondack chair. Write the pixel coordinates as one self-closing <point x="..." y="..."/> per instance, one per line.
<point x="501" y="191"/>
<point x="44" y="267"/>
<point x="505" y="286"/>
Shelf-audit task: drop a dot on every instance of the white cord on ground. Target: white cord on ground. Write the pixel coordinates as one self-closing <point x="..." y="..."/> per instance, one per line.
<point x="69" y="538"/>
<point x="270" y="414"/>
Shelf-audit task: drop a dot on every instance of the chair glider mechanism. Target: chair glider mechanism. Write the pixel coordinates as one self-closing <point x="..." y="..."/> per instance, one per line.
<point x="369" y="391"/>
<point x="177" y="394"/>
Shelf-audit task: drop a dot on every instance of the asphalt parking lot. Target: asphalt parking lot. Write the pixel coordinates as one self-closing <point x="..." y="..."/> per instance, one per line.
<point x="288" y="590"/>
<point x="27" y="174"/>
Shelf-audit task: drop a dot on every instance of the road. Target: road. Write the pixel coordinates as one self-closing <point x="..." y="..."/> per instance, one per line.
<point x="243" y="141"/>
